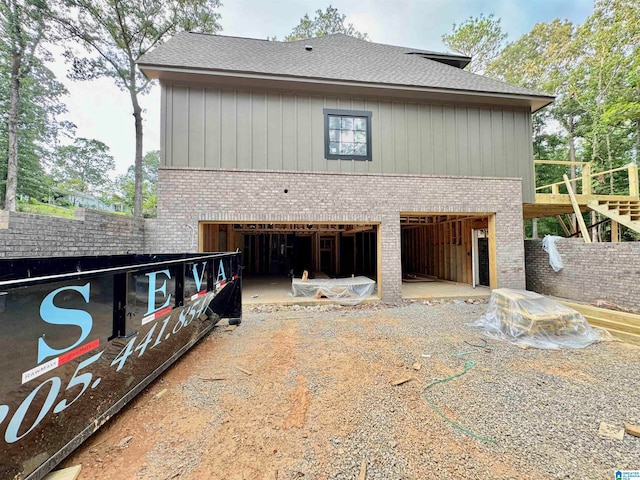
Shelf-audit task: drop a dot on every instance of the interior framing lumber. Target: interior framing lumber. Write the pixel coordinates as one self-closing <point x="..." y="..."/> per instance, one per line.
<point x="441" y="246"/>
<point x="278" y="248"/>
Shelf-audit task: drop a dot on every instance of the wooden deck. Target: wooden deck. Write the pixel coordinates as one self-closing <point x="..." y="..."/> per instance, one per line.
<point x="549" y="201"/>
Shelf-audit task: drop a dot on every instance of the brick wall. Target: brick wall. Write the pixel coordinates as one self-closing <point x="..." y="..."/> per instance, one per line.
<point x="596" y="271"/>
<point x="90" y="233"/>
<point x="188" y="196"/>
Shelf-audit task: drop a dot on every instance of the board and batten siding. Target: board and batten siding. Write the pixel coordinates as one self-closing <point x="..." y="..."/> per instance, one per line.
<point x="212" y="128"/>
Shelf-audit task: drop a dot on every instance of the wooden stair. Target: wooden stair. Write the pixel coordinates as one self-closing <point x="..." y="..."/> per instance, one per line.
<point x="625" y="212"/>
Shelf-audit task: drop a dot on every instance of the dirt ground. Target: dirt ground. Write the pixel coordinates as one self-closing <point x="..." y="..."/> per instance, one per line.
<point x="309" y="394"/>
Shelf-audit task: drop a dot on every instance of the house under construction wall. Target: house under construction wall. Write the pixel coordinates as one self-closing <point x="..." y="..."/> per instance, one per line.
<point x="342" y="157"/>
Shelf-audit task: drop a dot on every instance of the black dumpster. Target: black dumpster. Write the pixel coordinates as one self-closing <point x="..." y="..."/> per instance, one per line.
<point x="81" y="336"/>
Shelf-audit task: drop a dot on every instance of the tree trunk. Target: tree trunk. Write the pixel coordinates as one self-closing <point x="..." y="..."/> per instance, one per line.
<point x="137" y="114"/>
<point x="534" y="229"/>
<point x="11" y="186"/>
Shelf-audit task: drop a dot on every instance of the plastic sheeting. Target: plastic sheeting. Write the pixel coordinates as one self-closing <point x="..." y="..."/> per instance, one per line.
<point x="530" y="319"/>
<point x="549" y="246"/>
<point x="346" y="291"/>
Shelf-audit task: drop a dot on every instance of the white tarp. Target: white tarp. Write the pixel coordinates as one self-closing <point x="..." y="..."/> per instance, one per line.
<point x="530" y="319"/>
<point x="346" y="291"/>
<point x="549" y="246"/>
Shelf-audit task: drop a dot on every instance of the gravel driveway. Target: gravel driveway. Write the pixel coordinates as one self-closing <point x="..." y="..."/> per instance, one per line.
<point x="307" y="393"/>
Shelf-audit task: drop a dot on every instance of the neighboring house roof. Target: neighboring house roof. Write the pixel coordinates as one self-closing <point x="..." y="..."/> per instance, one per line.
<point x="335" y="57"/>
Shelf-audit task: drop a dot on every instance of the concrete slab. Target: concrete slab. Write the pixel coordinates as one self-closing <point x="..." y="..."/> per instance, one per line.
<point x="277" y="291"/>
<point x="443" y="289"/>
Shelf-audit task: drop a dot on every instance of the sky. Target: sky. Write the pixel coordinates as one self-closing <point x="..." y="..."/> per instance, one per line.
<point x="101" y="111"/>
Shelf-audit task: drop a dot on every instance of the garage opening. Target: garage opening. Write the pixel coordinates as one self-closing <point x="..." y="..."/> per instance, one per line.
<point x="447" y="255"/>
<point x="274" y="253"/>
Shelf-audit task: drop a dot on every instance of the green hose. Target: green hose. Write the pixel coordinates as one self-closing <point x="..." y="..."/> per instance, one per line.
<point x="468" y="366"/>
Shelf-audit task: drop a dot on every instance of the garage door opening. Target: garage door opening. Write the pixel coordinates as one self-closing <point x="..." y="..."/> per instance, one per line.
<point x="447" y="255"/>
<point x="274" y="253"/>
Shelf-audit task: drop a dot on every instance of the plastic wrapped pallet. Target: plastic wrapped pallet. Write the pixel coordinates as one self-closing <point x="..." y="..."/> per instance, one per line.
<point x="530" y="319"/>
<point x="346" y="291"/>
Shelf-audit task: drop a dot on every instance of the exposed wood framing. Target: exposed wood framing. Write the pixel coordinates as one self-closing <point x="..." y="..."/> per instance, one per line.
<point x="576" y="209"/>
<point x="615" y="231"/>
<point x="256" y="241"/>
<point x="567" y="232"/>
<point x="440" y="245"/>
<point x="549" y="201"/>
<point x="493" y="256"/>
<point x="297" y="227"/>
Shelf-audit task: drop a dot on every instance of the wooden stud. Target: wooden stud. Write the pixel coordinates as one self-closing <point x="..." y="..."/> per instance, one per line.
<point x="576" y="209"/>
<point x="615" y="233"/>
<point x="379" y="259"/>
<point x="493" y="259"/>
<point x="564" y="227"/>
<point x="633" y="181"/>
<point x="586" y="179"/>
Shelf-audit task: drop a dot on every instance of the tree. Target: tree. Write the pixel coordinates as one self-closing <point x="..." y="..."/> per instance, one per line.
<point x="125" y="184"/>
<point x="605" y="82"/>
<point x="542" y="60"/>
<point x="83" y="166"/>
<point x="23" y="27"/>
<point x="480" y="38"/>
<point x="593" y="71"/>
<point x="324" y="23"/>
<point x="117" y="33"/>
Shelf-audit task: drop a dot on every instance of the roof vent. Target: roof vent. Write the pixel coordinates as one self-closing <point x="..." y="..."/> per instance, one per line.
<point x="308" y="48"/>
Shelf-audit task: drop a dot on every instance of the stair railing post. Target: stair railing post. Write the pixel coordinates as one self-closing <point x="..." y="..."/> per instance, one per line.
<point x="586" y="179"/>
<point x="633" y="181"/>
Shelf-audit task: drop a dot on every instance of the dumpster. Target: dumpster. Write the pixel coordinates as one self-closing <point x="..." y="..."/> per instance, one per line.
<point x="81" y="336"/>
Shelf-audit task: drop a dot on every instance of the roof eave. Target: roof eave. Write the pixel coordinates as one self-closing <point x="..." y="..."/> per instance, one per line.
<point x="165" y="72"/>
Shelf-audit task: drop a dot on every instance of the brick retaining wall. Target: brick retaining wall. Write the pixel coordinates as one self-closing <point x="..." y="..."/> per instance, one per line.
<point x="91" y="232"/>
<point x="596" y="271"/>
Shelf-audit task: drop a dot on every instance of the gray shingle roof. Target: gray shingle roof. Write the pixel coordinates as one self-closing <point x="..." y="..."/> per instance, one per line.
<point x="334" y="57"/>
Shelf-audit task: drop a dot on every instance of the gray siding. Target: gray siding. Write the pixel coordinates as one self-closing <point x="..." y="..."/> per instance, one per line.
<point x="213" y="128"/>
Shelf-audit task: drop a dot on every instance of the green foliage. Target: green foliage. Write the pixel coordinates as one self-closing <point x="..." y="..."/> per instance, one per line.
<point x="539" y="60"/>
<point x="30" y="100"/>
<point x="594" y="71"/>
<point x="45" y="209"/>
<point x="546" y="226"/>
<point x="480" y="38"/>
<point x="125" y="185"/>
<point x="324" y="23"/>
<point x="116" y="34"/>
<point x="83" y="166"/>
<point x="605" y="82"/>
<point x="37" y="130"/>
